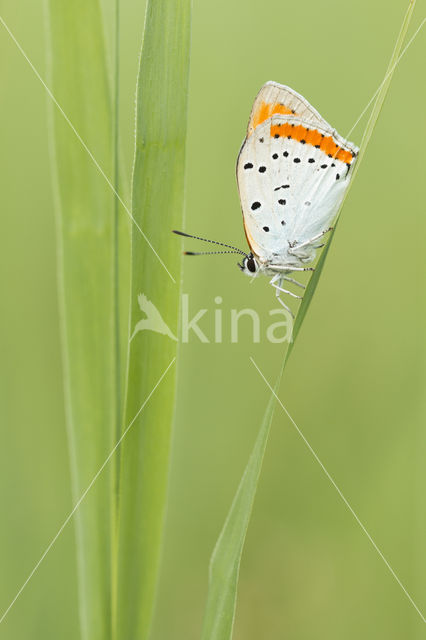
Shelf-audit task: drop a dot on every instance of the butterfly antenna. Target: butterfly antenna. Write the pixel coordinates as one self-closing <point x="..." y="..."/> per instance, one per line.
<point x="222" y="244"/>
<point x="206" y="253"/>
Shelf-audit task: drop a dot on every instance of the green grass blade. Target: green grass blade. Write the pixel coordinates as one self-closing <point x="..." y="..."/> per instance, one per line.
<point x="79" y="81"/>
<point x="226" y="557"/>
<point x="378" y="104"/>
<point x="157" y="206"/>
<point x="121" y="310"/>
<point x="372" y="121"/>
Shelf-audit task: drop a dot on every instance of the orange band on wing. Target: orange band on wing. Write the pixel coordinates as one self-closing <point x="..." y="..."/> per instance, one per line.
<point x="266" y="110"/>
<point x="312" y="137"/>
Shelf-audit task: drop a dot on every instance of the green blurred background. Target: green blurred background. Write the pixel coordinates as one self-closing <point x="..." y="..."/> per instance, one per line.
<point x="355" y="382"/>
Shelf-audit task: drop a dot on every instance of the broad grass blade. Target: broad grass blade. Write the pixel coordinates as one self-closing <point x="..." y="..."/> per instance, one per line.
<point x="157" y="207"/>
<point x="79" y="81"/>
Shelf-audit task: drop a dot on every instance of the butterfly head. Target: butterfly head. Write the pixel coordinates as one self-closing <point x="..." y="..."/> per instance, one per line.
<point x="249" y="266"/>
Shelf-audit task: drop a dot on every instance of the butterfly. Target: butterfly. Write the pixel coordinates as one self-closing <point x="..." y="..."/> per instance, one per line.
<point x="293" y="170"/>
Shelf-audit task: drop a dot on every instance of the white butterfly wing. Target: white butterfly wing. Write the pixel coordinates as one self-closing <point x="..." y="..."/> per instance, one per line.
<point x="292" y="175"/>
<point x="275" y="98"/>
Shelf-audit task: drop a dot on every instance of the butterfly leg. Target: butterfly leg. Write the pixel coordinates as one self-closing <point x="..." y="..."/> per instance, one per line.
<point x="278" y="287"/>
<point x="289" y="269"/>
<point x="283" y="304"/>
<point x="299" y="284"/>
<point x="311" y="240"/>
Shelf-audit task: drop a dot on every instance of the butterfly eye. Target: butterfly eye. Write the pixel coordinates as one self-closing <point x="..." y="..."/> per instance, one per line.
<point x="251" y="265"/>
